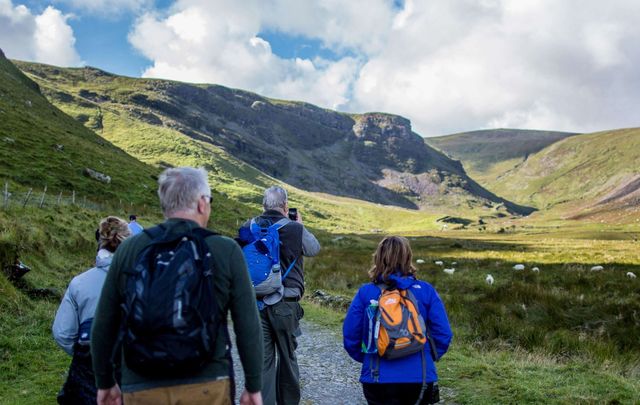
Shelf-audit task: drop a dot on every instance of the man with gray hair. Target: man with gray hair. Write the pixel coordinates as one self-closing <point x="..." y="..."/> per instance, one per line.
<point x="281" y="312"/>
<point x="224" y="285"/>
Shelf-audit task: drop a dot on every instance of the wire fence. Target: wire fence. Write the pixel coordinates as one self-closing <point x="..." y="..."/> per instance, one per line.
<point x="47" y="199"/>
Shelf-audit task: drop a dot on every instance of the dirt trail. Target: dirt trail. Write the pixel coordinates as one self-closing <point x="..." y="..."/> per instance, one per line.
<point x="327" y="373"/>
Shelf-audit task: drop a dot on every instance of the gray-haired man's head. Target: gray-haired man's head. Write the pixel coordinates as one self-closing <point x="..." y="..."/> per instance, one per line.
<point x="181" y="188"/>
<point x="275" y="198"/>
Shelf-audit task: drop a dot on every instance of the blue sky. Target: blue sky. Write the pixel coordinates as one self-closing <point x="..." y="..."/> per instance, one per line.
<point x="447" y="65"/>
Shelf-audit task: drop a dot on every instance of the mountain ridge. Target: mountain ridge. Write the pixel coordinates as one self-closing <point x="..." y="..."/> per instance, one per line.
<point x="592" y="176"/>
<point x="373" y="156"/>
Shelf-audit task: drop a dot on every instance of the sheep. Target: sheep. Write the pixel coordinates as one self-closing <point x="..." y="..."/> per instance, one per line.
<point x="597" y="268"/>
<point x="631" y="275"/>
<point x="449" y="271"/>
<point x="535" y="270"/>
<point x="420" y="261"/>
<point x="489" y="279"/>
<point x="439" y="263"/>
<point x="454" y="263"/>
<point x="518" y="267"/>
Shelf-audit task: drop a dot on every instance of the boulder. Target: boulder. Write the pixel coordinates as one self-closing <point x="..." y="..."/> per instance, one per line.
<point x="101" y="177"/>
<point x="333" y="301"/>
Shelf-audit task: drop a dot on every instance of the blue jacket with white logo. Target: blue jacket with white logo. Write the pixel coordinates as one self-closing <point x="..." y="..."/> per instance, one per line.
<point x="406" y="369"/>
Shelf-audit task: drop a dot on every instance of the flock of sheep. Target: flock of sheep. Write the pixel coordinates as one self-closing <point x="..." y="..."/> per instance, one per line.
<point x="518" y="267"/>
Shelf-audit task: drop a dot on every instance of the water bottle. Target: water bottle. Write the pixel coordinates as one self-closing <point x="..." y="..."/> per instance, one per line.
<point x="370" y="342"/>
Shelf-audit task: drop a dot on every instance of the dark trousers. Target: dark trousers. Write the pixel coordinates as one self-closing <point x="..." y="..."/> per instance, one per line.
<point x="399" y="394"/>
<point x="281" y="376"/>
<point x="79" y="389"/>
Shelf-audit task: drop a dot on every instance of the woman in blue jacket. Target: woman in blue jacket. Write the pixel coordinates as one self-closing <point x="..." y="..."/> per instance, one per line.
<point x="409" y="379"/>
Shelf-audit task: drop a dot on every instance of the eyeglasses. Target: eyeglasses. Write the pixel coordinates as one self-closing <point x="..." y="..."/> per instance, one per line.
<point x="208" y="198"/>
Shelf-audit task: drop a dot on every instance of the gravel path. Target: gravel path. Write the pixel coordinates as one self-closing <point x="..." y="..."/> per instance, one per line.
<point x="337" y="384"/>
<point x="320" y="384"/>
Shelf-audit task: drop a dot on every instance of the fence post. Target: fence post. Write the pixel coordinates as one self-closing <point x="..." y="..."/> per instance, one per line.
<point x="26" y="200"/>
<point x="73" y="197"/>
<point x="59" y="198"/>
<point x="44" y="193"/>
<point x="6" y="195"/>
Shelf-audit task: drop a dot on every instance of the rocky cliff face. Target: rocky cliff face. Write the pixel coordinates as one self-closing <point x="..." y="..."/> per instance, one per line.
<point x="366" y="156"/>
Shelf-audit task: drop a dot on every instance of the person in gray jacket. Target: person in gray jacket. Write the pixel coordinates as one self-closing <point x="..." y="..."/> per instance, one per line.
<point x="281" y="315"/>
<point x="72" y="324"/>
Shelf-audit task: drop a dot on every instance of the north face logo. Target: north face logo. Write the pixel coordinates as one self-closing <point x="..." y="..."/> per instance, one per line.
<point x="390" y="301"/>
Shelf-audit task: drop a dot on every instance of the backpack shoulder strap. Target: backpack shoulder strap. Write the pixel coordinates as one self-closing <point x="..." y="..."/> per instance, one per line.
<point x="282" y="222"/>
<point x="382" y="287"/>
<point x="289" y="268"/>
<point x="256" y="230"/>
<point x="155" y="232"/>
<point x="203" y="233"/>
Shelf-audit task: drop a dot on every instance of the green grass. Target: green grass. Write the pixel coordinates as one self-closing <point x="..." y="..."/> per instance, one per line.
<point x="564" y="335"/>
<point x="481" y="376"/>
<point x="56" y="244"/>
<point x="322" y="316"/>
<point x="30" y="130"/>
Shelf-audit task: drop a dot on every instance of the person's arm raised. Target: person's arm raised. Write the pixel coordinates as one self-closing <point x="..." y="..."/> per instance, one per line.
<point x="310" y="245"/>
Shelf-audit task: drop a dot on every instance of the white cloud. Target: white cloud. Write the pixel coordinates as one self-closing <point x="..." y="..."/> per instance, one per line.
<point x="45" y="38"/>
<point x="448" y="65"/>
<point x="217" y="43"/>
<point x="463" y="65"/>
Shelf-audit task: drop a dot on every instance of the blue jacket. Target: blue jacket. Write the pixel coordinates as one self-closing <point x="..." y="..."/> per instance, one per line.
<point x="135" y="228"/>
<point x="406" y="369"/>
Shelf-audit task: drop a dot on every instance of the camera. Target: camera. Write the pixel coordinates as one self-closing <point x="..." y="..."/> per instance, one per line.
<point x="293" y="214"/>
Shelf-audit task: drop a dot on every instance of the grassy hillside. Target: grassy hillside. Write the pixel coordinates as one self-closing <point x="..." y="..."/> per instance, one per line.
<point x="374" y="157"/>
<point x="488" y="154"/>
<point x="42" y="146"/>
<point x="592" y="173"/>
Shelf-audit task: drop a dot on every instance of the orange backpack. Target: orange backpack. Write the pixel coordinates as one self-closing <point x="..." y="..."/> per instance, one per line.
<point x="402" y="328"/>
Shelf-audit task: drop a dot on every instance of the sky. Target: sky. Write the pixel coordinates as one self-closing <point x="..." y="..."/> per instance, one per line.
<point x="447" y="65"/>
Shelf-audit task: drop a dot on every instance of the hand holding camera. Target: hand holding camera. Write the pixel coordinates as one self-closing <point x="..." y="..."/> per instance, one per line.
<point x="294" y="215"/>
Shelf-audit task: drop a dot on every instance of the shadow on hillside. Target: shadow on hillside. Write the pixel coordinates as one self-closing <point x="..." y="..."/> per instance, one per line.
<point x="438" y="243"/>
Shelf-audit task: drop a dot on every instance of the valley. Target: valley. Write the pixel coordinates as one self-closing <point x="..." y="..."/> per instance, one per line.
<point x="480" y="203"/>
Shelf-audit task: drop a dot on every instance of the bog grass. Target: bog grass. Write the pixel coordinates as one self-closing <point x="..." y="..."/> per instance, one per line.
<point x="563" y="335"/>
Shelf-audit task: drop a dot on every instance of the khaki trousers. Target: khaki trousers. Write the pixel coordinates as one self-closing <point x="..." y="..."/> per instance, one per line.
<point x="209" y="393"/>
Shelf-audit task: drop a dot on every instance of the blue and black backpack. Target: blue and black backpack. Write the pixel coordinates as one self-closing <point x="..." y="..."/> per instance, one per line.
<point x="263" y="258"/>
<point x="170" y="314"/>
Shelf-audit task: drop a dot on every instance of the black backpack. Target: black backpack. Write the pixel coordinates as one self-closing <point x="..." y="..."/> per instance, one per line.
<point x="169" y="311"/>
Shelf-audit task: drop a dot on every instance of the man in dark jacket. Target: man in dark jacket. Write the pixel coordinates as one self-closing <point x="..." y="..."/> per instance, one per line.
<point x="281" y="317"/>
<point x="185" y="198"/>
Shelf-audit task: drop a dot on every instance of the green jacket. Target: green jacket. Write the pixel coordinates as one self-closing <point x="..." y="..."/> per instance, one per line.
<point x="233" y="290"/>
